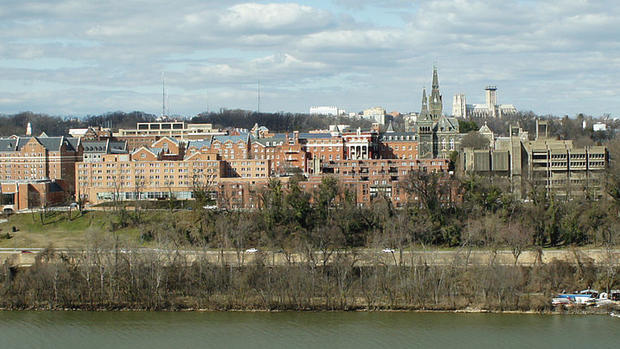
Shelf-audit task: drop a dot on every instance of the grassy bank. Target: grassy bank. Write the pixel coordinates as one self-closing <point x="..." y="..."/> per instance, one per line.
<point x="60" y="229"/>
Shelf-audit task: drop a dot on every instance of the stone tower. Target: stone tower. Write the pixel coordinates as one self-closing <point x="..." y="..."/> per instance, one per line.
<point x="491" y="96"/>
<point x="434" y="101"/>
<point x="459" y="106"/>
<point x="424" y="128"/>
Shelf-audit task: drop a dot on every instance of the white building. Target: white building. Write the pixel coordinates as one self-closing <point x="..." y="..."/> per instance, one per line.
<point x="599" y="126"/>
<point x="376" y="114"/>
<point x="325" y="110"/>
<point x="460" y="108"/>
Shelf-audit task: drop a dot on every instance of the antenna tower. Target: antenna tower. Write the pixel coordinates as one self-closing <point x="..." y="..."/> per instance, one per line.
<point x="163" y="95"/>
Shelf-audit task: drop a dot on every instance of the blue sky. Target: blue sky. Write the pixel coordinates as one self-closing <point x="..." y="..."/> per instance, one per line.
<point x="76" y="57"/>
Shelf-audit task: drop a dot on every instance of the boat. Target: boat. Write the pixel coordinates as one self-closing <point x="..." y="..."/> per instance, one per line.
<point x="614" y="315"/>
<point x="613" y="297"/>
<point x="585" y="297"/>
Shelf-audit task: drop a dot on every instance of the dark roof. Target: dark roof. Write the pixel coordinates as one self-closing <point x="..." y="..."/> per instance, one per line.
<point x="95" y="146"/>
<point x="7" y="144"/>
<point x="314" y="135"/>
<point x="235" y="139"/>
<point x="49" y="143"/>
<point x="199" y="143"/>
<point x="398" y="136"/>
<point x="271" y="140"/>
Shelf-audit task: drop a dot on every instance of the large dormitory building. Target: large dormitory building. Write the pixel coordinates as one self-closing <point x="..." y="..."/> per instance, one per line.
<point x="235" y="167"/>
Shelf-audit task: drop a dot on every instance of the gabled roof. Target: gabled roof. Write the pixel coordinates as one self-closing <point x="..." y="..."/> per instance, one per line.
<point x="485" y="129"/>
<point x="173" y="140"/>
<point x="446" y="124"/>
<point x="154" y="151"/>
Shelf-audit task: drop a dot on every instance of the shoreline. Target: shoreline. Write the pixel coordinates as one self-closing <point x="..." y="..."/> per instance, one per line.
<point x="586" y="311"/>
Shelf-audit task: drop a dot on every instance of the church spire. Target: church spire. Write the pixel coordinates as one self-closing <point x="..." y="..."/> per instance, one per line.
<point x="435" y="100"/>
<point x="424" y="111"/>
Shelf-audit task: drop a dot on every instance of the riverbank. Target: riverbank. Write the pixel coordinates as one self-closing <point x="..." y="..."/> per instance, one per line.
<point x="98" y="279"/>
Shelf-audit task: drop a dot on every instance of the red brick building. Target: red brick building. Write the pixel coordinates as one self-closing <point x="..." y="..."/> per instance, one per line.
<point x="40" y="158"/>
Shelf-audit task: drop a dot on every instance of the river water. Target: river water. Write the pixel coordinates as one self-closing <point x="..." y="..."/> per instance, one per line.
<point x="68" y="330"/>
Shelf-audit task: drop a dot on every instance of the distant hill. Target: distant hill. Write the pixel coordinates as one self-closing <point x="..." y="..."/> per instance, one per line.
<point x="57" y="126"/>
<point x="276" y="122"/>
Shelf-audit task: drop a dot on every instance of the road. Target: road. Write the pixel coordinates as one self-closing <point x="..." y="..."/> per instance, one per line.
<point x="24" y="257"/>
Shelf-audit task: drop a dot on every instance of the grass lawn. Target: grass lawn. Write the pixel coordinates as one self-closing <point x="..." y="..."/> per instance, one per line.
<point x="57" y="229"/>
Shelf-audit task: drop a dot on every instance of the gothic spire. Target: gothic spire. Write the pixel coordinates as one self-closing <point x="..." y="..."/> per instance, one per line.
<point x="424" y="111"/>
<point x="435" y="104"/>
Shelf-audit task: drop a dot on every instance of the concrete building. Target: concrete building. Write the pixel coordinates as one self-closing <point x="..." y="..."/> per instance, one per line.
<point x="544" y="163"/>
<point x="176" y="129"/>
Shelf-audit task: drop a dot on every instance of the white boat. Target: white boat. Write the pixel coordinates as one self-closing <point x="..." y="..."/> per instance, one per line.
<point x="613" y="297"/>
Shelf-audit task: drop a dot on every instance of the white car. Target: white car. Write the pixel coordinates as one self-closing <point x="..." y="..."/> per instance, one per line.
<point x="251" y="250"/>
<point x="387" y="250"/>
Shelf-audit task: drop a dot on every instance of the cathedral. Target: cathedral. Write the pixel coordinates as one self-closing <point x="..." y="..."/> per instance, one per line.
<point x="438" y="134"/>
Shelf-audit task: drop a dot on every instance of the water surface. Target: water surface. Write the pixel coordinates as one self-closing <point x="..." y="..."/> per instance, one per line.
<point x="153" y="330"/>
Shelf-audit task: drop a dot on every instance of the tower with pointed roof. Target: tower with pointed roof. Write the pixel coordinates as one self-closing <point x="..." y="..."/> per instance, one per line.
<point x="435" y="102"/>
<point x="438" y="134"/>
<point x="424" y="128"/>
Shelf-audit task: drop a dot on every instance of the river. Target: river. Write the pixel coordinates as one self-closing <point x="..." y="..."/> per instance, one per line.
<point x="68" y="330"/>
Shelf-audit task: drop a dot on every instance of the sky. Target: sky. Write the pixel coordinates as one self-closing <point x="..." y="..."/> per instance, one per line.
<point x="79" y="57"/>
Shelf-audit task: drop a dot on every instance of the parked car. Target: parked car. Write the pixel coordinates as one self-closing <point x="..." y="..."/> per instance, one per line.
<point x="251" y="250"/>
<point x="388" y="250"/>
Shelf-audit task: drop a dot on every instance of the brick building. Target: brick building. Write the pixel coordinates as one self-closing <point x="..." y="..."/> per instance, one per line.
<point x="40" y="158"/>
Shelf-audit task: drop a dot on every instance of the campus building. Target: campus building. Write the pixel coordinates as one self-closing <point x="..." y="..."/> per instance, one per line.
<point x="553" y="165"/>
<point x="438" y="135"/>
<point x="37" y="171"/>
<point x="490" y="108"/>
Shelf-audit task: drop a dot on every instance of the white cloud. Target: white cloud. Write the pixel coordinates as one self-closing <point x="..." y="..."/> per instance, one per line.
<point x="270" y="17"/>
<point x="543" y="55"/>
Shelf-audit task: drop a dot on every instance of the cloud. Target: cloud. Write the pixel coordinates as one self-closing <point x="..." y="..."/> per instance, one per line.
<point x="289" y="17"/>
<point x="543" y="55"/>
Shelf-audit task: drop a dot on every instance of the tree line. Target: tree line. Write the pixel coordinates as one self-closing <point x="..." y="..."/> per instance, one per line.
<point x="277" y="122"/>
<point x="106" y="276"/>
